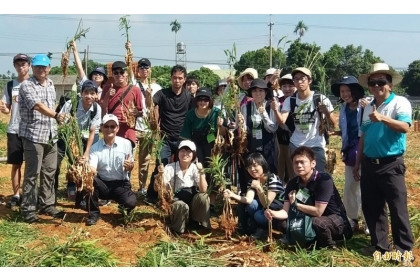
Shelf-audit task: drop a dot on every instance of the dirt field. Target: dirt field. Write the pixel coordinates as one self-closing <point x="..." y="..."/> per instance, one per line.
<point x="130" y="242"/>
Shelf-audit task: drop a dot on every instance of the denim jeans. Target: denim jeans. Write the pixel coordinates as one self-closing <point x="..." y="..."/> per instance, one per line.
<point x="256" y="211"/>
<point x="169" y="148"/>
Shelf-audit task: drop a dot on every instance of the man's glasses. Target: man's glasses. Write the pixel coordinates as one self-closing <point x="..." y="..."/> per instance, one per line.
<point x="380" y="83"/>
<point x="118" y="72"/>
<point x="144" y="67"/>
<point x="113" y="126"/>
<point x="304" y="78"/>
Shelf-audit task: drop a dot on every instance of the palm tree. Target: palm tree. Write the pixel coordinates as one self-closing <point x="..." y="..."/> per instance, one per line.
<point x="176" y="26"/>
<point x="300" y="29"/>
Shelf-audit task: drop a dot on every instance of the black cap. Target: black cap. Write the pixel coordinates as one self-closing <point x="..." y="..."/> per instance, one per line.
<point x="89" y="84"/>
<point x="21" y="56"/>
<point x="222" y="82"/>
<point x="144" y="61"/>
<point x="119" y="64"/>
<point x="203" y="92"/>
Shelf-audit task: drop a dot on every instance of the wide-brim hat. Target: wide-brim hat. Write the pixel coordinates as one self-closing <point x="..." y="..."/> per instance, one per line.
<point x="350" y="81"/>
<point x="257" y="83"/>
<point x="250" y="71"/>
<point x="380" y="68"/>
<point x="99" y="70"/>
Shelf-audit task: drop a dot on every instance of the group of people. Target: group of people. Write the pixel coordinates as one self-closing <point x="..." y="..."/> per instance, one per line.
<point x="283" y="170"/>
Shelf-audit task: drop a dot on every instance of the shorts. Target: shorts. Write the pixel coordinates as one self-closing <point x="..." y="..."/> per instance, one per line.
<point x="14" y="149"/>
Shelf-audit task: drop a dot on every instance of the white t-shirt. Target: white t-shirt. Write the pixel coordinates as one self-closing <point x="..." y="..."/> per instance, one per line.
<point x="13" y="127"/>
<point x="191" y="177"/>
<point x="140" y="124"/>
<point x="307" y="121"/>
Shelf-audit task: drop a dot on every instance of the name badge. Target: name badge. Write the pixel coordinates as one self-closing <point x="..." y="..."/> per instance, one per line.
<point x="257" y="134"/>
<point x="302" y="196"/>
<point x="85" y="134"/>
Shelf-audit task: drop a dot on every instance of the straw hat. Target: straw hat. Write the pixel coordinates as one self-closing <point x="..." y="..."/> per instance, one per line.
<point x="250" y="71"/>
<point x="380" y="68"/>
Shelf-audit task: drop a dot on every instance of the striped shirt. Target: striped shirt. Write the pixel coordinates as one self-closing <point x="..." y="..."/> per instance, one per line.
<point x="35" y="126"/>
<point x="109" y="161"/>
<point x="274" y="185"/>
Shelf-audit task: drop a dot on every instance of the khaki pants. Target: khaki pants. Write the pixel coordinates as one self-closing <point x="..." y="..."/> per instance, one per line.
<point x="285" y="164"/>
<point x="199" y="211"/>
<point x="144" y="159"/>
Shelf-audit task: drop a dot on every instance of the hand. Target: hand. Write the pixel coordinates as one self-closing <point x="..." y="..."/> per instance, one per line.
<point x="230" y="79"/>
<point x="268" y="214"/>
<point x="323" y="108"/>
<point x="60" y="117"/>
<point x="111" y="91"/>
<point x="275" y="76"/>
<point x="292" y="197"/>
<point x="128" y="164"/>
<point x="73" y="46"/>
<point x="363" y="102"/>
<point x="82" y="159"/>
<point x="256" y="185"/>
<point x="375" y="116"/>
<point x="128" y="45"/>
<point x="356" y="174"/>
<point x="219" y="121"/>
<point x="261" y="110"/>
<point x="240" y="119"/>
<point x="3" y="107"/>
<point x="274" y="104"/>
<point x="161" y="168"/>
<point x="199" y="166"/>
<point x="227" y="193"/>
<point x="134" y="112"/>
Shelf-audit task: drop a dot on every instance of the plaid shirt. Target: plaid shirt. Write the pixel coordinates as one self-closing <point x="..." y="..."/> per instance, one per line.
<point x="35" y="126"/>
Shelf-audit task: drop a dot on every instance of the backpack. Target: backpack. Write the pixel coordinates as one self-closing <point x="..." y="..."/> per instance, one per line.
<point x="64" y="99"/>
<point x="316" y="99"/>
<point x="9" y="90"/>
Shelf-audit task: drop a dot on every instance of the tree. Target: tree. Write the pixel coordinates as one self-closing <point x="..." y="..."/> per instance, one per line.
<point x="258" y="59"/>
<point x="300" y="29"/>
<point x="205" y="77"/>
<point x="175" y="27"/>
<point x="162" y="75"/>
<point x="411" y="80"/>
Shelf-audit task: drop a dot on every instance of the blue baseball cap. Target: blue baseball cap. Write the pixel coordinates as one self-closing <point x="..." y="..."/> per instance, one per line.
<point x="89" y="84"/>
<point x="41" y="60"/>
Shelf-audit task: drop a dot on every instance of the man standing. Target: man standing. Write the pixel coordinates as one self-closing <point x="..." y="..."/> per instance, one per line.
<point x="171" y="107"/>
<point x="111" y="158"/>
<point x="9" y="103"/>
<point x="38" y="130"/>
<point x="148" y="90"/>
<point x="388" y="117"/>
<point x="307" y="108"/>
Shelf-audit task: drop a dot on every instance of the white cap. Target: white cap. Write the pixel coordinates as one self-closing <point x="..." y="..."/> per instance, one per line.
<point x="189" y="144"/>
<point x="110" y="117"/>
<point x="270" y="71"/>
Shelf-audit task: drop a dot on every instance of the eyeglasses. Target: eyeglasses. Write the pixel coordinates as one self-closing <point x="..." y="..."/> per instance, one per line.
<point x="120" y="72"/>
<point x="380" y="83"/>
<point x="113" y="126"/>
<point x="144" y="67"/>
<point x="297" y="79"/>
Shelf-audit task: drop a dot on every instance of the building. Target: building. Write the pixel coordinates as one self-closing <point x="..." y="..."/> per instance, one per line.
<point x="65" y="86"/>
<point x="222" y="73"/>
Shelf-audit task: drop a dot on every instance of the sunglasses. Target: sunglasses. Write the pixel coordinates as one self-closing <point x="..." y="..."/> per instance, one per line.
<point x="120" y="72"/>
<point x="204" y="99"/>
<point x="380" y="83"/>
<point x="113" y="126"/>
<point x="144" y="67"/>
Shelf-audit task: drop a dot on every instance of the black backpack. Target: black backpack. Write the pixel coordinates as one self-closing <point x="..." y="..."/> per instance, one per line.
<point x="316" y="99"/>
<point x="9" y="90"/>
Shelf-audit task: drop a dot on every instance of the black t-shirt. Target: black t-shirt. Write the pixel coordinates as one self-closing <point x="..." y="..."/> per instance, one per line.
<point x="322" y="189"/>
<point x="172" y="110"/>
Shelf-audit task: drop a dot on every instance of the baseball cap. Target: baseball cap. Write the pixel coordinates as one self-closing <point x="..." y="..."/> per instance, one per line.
<point x="221" y="82"/>
<point x="144" y="61"/>
<point x="110" y="117"/>
<point x="270" y="72"/>
<point x="187" y="143"/>
<point x="89" y="84"/>
<point x="41" y="60"/>
<point x="119" y="64"/>
<point x="21" y="56"/>
<point x="303" y="70"/>
<point x="203" y="92"/>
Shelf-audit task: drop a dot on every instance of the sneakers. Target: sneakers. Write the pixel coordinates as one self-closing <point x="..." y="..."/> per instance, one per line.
<point x="15" y="201"/>
<point x="93" y="219"/>
<point x="142" y="192"/>
<point x="260" y="234"/>
<point x="53" y="212"/>
<point x="30" y="217"/>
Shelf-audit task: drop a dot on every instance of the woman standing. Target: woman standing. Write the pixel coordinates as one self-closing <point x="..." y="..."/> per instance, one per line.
<point x="192" y="85"/>
<point x="189" y="185"/>
<point x="349" y="92"/>
<point x="201" y="125"/>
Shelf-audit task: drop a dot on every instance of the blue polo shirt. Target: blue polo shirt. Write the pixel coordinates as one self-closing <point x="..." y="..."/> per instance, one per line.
<point x="381" y="141"/>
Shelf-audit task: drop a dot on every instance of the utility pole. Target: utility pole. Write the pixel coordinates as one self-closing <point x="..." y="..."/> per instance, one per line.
<point x="271" y="42"/>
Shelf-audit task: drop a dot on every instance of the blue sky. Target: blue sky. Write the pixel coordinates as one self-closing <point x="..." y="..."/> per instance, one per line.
<point x="394" y="38"/>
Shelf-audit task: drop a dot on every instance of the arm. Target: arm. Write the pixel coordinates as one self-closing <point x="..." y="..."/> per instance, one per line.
<point x="359" y="157"/>
<point x="396" y="125"/>
<point x="270" y="196"/>
<point x="281" y="214"/>
<point x="89" y="142"/>
<point x="269" y="121"/>
<point x="202" y="184"/>
<point x="241" y="199"/>
<point x="79" y="66"/>
<point x="282" y="116"/>
<point x="314" y="211"/>
<point x="93" y="161"/>
<point x="43" y="109"/>
<point x="6" y="103"/>
<point x="186" y="127"/>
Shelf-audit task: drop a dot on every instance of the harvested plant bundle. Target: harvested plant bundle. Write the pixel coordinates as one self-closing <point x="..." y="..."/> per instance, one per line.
<point x="124" y="24"/>
<point x="331" y="158"/>
<point x="65" y="56"/>
<point x="166" y="196"/>
<point x="227" y="220"/>
<point x="126" y="113"/>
